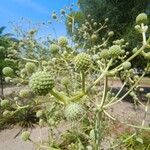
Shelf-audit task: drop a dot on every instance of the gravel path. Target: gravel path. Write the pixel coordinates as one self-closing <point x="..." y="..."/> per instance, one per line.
<point x="123" y="111"/>
<point x="8" y="142"/>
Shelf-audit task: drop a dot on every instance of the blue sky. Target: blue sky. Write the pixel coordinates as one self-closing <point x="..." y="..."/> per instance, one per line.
<point x="37" y="11"/>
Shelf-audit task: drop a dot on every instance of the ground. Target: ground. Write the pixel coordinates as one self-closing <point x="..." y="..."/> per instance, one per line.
<point x="122" y="111"/>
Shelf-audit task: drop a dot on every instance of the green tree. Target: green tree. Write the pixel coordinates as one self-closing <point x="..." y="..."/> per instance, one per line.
<point x="121" y="13"/>
<point x="5" y="43"/>
<point x="121" y="16"/>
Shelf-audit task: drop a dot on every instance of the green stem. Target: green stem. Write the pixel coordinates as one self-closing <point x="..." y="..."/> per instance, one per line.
<point x="77" y="97"/>
<point x="127" y="92"/>
<point x="124" y="141"/>
<point x="116" y="95"/>
<point x="99" y="114"/>
<point x="100" y="77"/>
<point x="133" y="56"/>
<point x="67" y="90"/>
<point x="31" y="60"/>
<point x="83" y="81"/>
<point x="59" y="96"/>
<point x="97" y="130"/>
<point x="104" y="92"/>
<point x="145" y="114"/>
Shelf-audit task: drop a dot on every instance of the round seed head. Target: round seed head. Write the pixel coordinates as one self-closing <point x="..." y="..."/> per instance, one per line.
<point x="54" y="49"/>
<point x="74" y="111"/>
<point x="83" y="61"/>
<point x="111" y="33"/>
<point x="62" y="11"/>
<point x="7" y="71"/>
<point x="54" y="16"/>
<point x="141" y="18"/>
<point x="30" y="67"/>
<point x="41" y="82"/>
<point x="63" y="41"/>
<point x="104" y="54"/>
<point x="126" y="65"/>
<point x="115" y="51"/>
<point x="94" y="37"/>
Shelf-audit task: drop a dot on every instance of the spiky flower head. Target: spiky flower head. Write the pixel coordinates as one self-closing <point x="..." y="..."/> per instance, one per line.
<point x="41" y="82"/>
<point x="62" y="41"/>
<point x="126" y="65"/>
<point x="141" y="18"/>
<point x="4" y="103"/>
<point x="115" y="51"/>
<point x="25" y="135"/>
<point x="30" y="67"/>
<point x="54" y="49"/>
<point x="83" y="61"/>
<point x="74" y="111"/>
<point x="104" y="54"/>
<point x="7" y="71"/>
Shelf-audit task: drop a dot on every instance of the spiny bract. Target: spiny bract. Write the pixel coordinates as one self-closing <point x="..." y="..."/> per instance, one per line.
<point x="74" y="111"/>
<point x="83" y="61"/>
<point x="41" y="82"/>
